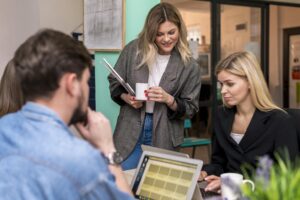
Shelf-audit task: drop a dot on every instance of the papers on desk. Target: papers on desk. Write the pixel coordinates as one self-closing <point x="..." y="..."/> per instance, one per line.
<point x="127" y="87"/>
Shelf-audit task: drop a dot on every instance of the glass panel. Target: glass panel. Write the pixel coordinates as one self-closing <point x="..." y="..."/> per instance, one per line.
<point x="197" y="17"/>
<point x="240" y="30"/>
<point x="294" y="70"/>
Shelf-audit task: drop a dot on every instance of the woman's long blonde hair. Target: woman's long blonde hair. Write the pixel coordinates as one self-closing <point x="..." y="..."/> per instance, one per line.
<point x="11" y="96"/>
<point x="159" y="14"/>
<point x="244" y="64"/>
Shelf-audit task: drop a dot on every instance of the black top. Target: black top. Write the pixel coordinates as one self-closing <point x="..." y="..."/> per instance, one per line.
<point x="266" y="133"/>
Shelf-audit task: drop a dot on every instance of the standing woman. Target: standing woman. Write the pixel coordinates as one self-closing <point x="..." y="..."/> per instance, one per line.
<point x="160" y="56"/>
<point x="249" y="125"/>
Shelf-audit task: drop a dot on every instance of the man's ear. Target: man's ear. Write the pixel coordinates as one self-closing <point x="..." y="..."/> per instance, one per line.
<point x="72" y="84"/>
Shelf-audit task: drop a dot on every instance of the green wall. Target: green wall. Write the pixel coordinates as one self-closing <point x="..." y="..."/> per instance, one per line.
<point x="136" y="12"/>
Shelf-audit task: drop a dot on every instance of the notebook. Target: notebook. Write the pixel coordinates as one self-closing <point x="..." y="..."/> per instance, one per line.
<point x="165" y="176"/>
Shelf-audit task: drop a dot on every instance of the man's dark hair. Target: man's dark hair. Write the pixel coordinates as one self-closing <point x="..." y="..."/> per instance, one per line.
<point x="44" y="58"/>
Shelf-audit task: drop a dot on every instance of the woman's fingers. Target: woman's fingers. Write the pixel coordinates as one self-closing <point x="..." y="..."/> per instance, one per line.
<point x="211" y="178"/>
<point x="157" y="94"/>
<point x="132" y="101"/>
<point x="214" y="183"/>
<point x="203" y="174"/>
<point x="136" y="104"/>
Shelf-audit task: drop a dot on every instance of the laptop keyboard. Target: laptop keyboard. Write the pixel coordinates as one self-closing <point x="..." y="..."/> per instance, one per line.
<point x="205" y="195"/>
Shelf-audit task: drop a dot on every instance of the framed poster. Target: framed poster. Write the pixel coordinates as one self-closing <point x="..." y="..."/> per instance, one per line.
<point x="104" y="24"/>
<point x="204" y="64"/>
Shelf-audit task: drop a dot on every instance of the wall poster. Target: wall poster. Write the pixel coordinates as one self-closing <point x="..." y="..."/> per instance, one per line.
<point x="104" y="24"/>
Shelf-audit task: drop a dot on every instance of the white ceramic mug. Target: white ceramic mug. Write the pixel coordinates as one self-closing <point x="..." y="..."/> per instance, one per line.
<point x="140" y="91"/>
<point x="231" y="184"/>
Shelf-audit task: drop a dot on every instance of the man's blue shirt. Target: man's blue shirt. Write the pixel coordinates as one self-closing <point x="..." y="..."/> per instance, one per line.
<point x="41" y="159"/>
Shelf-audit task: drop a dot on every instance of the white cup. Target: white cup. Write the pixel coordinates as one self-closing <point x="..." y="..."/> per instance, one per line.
<point x="231" y="184"/>
<point x="140" y="91"/>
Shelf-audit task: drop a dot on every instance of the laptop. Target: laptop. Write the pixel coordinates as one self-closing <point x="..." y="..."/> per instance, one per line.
<point x="166" y="176"/>
<point x="165" y="151"/>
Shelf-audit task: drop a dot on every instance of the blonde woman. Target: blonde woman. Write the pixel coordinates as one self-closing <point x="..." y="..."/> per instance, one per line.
<point x="160" y="57"/>
<point x="250" y="124"/>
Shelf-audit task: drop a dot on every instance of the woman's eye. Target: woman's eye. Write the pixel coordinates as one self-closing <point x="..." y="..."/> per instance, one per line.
<point x="230" y="84"/>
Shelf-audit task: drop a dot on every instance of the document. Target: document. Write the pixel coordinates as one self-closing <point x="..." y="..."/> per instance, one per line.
<point x="118" y="77"/>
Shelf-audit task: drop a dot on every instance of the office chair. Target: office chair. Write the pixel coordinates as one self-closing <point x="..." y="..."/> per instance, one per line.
<point x="295" y="115"/>
<point x="194" y="142"/>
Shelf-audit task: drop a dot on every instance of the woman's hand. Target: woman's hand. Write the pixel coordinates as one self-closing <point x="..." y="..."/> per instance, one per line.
<point x="158" y="94"/>
<point x="214" y="184"/>
<point x="203" y="175"/>
<point x="131" y="101"/>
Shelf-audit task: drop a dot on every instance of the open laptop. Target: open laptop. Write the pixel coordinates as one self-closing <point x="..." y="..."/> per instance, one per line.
<point x="165" y="151"/>
<point x="166" y="176"/>
<point x="130" y="173"/>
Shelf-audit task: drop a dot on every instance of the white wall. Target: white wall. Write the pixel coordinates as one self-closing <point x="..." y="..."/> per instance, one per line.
<point x="64" y="15"/>
<point x="231" y="39"/>
<point x="201" y="20"/>
<point x="19" y="19"/>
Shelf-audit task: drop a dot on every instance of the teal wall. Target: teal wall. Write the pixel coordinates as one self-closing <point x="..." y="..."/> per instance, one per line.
<point x="136" y="12"/>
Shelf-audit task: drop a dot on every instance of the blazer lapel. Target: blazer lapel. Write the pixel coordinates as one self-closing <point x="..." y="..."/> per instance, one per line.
<point x="172" y="71"/>
<point x="226" y="122"/>
<point x="168" y="82"/>
<point x="255" y="129"/>
<point x="141" y="74"/>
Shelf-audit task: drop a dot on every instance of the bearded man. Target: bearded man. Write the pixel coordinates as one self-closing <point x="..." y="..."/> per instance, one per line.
<point x="39" y="157"/>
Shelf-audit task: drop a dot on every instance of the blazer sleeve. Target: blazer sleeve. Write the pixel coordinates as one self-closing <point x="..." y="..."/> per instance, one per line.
<point x="218" y="159"/>
<point x="116" y="89"/>
<point x="188" y="100"/>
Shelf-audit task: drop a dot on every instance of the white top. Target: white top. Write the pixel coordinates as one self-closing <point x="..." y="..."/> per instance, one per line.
<point x="155" y="74"/>
<point x="237" y="137"/>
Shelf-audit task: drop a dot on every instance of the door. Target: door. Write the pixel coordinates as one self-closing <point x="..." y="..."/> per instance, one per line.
<point x="291" y="67"/>
<point x="238" y="26"/>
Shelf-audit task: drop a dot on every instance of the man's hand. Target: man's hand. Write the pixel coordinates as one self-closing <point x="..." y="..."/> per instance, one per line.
<point x="97" y="131"/>
<point x="131" y="101"/>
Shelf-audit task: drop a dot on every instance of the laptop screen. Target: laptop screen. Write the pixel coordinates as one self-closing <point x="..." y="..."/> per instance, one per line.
<point x="162" y="176"/>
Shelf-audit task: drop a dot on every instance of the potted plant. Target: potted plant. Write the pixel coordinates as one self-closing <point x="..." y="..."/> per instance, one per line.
<point x="274" y="181"/>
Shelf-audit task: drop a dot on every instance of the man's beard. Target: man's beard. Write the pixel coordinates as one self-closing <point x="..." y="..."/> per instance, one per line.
<point x="79" y="116"/>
